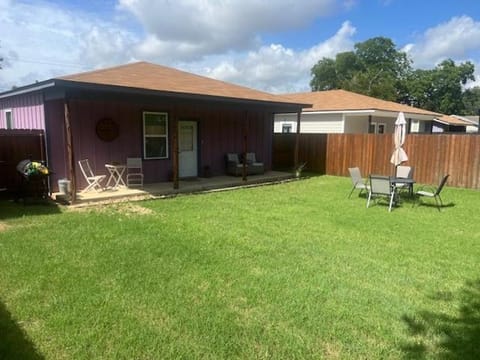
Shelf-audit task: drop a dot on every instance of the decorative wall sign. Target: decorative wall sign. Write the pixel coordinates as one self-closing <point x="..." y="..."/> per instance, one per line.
<point x="107" y="129"/>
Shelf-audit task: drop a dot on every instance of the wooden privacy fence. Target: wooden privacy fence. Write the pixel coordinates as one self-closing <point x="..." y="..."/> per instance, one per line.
<point x="432" y="155"/>
<point x="17" y="145"/>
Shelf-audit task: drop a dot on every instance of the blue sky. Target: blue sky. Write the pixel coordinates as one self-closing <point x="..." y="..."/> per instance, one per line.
<point x="268" y="45"/>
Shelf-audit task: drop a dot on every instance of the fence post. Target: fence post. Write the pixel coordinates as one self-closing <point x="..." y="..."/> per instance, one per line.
<point x="297" y="140"/>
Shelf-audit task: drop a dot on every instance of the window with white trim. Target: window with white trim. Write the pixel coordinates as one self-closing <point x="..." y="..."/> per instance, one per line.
<point x="8" y="119"/>
<point x="155" y="135"/>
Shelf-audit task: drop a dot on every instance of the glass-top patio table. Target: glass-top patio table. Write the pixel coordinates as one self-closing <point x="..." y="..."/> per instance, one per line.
<point x="407" y="181"/>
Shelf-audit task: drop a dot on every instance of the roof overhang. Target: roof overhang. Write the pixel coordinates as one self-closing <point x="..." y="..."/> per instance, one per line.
<point x="373" y="112"/>
<point x="76" y="86"/>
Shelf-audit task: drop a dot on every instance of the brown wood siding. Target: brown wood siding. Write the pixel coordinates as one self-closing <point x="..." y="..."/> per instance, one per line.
<point x="17" y="145"/>
<point x="432" y="155"/>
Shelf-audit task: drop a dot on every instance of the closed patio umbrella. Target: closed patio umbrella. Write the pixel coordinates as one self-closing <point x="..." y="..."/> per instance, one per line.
<point x="399" y="155"/>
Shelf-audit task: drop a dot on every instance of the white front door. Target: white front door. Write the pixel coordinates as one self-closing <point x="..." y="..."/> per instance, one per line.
<point x="187" y="148"/>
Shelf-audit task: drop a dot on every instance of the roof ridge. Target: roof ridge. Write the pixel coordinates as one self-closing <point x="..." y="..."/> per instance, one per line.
<point x="100" y="70"/>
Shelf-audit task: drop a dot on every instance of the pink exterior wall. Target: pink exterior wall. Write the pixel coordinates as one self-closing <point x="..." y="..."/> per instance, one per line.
<point x="220" y="130"/>
<point x="27" y="110"/>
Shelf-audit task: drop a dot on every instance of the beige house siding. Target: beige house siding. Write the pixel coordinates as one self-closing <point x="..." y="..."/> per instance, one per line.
<point x="311" y="123"/>
<point x="356" y="124"/>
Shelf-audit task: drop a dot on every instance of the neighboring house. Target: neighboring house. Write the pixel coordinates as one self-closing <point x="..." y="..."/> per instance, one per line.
<point x="472" y="126"/>
<point x="140" y="110"/>
<point x="341" y="111"/>
<point x="450" y="123"/>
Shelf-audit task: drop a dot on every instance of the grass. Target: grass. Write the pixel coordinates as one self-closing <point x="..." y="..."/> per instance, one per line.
<point x="290" y="271"/>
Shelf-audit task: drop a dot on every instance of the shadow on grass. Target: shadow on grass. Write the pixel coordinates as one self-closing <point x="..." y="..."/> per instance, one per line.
<point x="10" y="209"/>
<point x="14" y="343"/>
<point x="433" y="205"/>
<point x="445" y="336"/>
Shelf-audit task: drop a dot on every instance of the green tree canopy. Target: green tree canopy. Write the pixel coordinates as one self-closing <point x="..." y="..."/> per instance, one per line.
<point x="374" y="68"/>
<point x="440" y="89"/>
<point x="471" y="101"/>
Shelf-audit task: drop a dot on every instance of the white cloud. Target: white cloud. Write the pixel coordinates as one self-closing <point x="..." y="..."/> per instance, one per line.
<point x="45" y="40"/>
<point x="454" y="39"/>
<point x="277" y="69"/>
<point x="191" y="29"/>
<point x="216" y="38"/>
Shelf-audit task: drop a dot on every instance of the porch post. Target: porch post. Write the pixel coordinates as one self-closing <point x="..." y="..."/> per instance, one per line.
<point x="175" y="152"/>
<point x="245" y="146"/>
<point x="297" y="140"/>
<point x="70" y="153"/>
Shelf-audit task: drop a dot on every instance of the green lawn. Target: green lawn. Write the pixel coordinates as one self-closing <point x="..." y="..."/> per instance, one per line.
<point x="290" y="271"/>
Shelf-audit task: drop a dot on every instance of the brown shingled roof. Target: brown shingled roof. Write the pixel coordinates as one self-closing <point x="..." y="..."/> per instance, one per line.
<point x="338" y="100"/>
<point x="453" y="120"/>
<point x="147" y="76"/>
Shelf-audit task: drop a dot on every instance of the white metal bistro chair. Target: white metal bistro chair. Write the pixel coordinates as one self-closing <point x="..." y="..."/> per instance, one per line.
<point x="92" y="179"/>
<point x="134" y="172"/>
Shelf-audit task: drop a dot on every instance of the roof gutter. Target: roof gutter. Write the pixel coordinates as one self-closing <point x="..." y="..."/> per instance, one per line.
<point x="29" y="88"/>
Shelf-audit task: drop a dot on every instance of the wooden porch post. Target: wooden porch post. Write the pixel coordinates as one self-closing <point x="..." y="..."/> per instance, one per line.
<point x="175" y="152"/>
<point x="297" y="140"/>
<point x="70" y="153"/>
<point x="245" y="146"/>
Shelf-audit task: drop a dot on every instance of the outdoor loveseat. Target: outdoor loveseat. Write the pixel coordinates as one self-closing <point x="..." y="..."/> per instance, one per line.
<point x="235" y="165"/>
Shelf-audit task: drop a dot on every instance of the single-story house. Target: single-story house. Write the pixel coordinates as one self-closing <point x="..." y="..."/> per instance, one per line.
<point x="144" y="110"/>
<point x="450" y="123"/>
<point x="474" y="125"/>
<point x="341" y="111"/>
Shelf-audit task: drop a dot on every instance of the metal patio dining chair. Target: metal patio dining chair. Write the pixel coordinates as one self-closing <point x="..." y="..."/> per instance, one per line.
<point x="134" y="172"/>
<point x="433" y="193"/>
<point x="381" y="186"/>
<point x="357" y="181"/>
<point x="404" y="172"/>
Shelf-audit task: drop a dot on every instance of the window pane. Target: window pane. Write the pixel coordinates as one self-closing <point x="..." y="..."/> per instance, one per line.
<point x="381" y="128"/>
<point x="286" y="128"/>
<point x="155" y="124"/>
<point x="155" y="147"/>
<point x="186" y="138"/>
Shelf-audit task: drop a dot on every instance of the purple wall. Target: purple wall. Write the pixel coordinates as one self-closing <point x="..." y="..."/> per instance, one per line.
<point x="27" y="110"/>
<point x="220" y="130"/>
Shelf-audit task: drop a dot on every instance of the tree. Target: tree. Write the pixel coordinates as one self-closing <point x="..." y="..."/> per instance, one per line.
<point x="471" y="101"/>
<point x="375" y="68"/>
<point x="324" y="75"/>
<point x="440" y="89"/>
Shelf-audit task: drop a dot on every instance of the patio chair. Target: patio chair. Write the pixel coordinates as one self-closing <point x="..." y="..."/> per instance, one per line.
<point x="254" y="166"/>
<point x="93" y="180"/>
<point x="234" y="166"/>
<point x="404" y="172"/>
<point x="381" y="186"/>
<point x="357" y="181"/>
<point x="134" y="172"/>
<point x="433" y="193"/>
